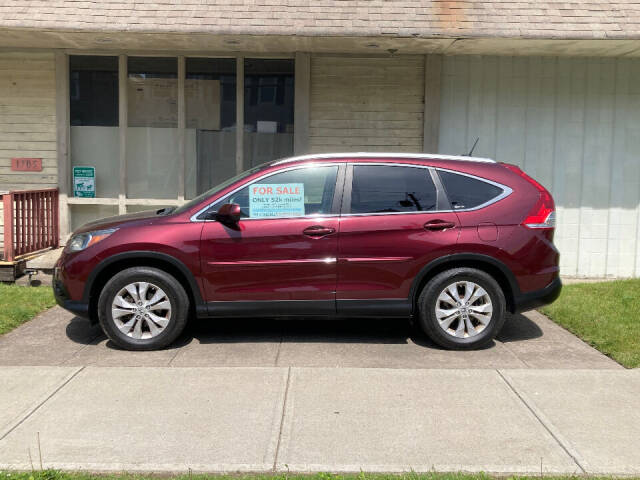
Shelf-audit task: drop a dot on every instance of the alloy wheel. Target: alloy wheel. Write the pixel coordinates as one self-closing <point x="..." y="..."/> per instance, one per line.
<point x="463" y="309"/>
<point x="141" y="310"/>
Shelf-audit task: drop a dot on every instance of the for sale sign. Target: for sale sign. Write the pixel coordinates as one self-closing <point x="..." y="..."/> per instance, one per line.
<point x="275" y="200"/>
<point x="84" y="182"/>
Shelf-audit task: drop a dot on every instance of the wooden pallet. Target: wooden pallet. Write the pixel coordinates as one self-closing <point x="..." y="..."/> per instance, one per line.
<point x="9" y="271"/>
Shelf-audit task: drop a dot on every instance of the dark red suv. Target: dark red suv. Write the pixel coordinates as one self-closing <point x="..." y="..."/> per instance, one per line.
<point x="455" y="242"/>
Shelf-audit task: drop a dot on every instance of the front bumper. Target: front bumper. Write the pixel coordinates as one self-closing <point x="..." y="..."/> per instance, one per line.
<point x="78" y="308"/>
<point x="538" y="298"/>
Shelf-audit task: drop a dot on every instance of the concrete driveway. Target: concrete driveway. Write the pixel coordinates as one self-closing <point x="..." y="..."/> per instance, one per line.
<point x="527" y="341"/>
<point x="276" y="396"/>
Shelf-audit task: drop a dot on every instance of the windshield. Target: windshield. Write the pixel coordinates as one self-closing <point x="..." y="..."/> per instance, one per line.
<point x="203" y="196"/>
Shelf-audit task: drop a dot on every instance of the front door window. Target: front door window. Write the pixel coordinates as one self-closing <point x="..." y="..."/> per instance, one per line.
<point x="301" y="192"/>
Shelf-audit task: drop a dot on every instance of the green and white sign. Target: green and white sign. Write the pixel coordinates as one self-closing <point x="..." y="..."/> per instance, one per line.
<point x="84" y="182"/>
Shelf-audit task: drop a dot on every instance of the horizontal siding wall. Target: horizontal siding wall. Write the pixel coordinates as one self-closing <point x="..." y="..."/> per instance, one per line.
<point x="27" y="119"/>
<point x="366" y="103"/>
<point x="1" y="227"/>
<point x="571" y="123"/>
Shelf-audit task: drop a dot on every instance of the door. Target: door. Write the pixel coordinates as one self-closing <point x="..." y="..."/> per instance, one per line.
<point x="393" y="223"/>
<point x="280" y="258"/>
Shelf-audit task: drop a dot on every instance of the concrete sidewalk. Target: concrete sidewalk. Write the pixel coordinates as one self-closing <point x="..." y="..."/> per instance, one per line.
<point x="329" y="419"/>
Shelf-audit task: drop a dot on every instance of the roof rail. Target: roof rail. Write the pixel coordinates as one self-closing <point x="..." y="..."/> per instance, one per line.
<point x="425" y="156"/>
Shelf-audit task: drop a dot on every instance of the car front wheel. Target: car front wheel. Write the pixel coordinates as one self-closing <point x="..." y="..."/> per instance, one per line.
<point x="143" y="308"/>
<point x="462" y="308"/>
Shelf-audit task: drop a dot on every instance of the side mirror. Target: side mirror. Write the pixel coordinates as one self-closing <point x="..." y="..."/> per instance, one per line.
<point x="229" y="213"/>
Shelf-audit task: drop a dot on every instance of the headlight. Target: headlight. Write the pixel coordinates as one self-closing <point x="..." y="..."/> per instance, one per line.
<point x="83" y="240"/>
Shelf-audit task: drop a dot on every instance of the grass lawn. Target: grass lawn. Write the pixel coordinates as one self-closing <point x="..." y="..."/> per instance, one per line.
<point x="55" y="475"/>
<point x="605" y="314"/>
<point x="20" y="304"/>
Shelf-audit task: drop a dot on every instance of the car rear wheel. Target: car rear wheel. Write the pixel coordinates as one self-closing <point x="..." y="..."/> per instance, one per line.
<point x="462" y="309"/>
<point x="143" y="308"/>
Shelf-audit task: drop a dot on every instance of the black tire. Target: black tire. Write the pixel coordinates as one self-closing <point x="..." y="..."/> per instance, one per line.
<point x="175" y="293"/>
<point x="427" y="309"/>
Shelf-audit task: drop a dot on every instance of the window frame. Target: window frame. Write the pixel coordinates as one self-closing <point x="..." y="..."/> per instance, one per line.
<point x="442" y="204"/>
<point x="335" y="203"/>
<point x="442" y="201"/>
<point x="506" y="191"/>
<point x="122" y="201"/>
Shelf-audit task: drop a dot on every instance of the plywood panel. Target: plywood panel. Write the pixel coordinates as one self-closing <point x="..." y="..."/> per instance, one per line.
<point x="366" y="103"/>
<point x="573" y="124"/>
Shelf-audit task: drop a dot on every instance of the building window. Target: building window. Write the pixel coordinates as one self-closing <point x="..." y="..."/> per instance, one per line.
<point x="160" y="159"/>
<point x="268" y="110"/>
<point x="152" y="150"/>
<point x="210" y="97"/>
<point x="93" y="88"/>
<point x="93" y="85"/>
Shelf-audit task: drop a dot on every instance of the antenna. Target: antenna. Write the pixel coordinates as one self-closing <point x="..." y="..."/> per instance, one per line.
<point x="474" y="147"/>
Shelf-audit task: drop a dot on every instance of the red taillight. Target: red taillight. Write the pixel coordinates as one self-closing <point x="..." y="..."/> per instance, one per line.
<point x="543" y="213"/>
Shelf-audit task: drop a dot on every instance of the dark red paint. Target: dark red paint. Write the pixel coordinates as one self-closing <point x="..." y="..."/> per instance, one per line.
<point x="361" y="257"/>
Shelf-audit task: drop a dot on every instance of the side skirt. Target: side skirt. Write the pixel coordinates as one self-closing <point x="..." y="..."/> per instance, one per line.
<point x="271" y="308"/>
<point x="374" y="308"/>
<point x="294" y="308"/>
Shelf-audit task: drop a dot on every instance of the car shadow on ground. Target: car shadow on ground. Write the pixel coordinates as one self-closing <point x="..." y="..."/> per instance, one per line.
<point x="306" y="330"/>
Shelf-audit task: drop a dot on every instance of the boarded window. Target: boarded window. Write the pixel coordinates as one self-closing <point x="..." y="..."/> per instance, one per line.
<point x="152" y="134"/>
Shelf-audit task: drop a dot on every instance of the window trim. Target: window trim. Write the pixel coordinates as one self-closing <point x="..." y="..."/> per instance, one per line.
<point x="335" y="202"/>
<point x="441" y="199"/>
<point x="506" y="191"/>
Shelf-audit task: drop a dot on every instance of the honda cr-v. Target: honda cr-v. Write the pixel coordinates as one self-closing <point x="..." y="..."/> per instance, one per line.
<point x="454" y="242"/>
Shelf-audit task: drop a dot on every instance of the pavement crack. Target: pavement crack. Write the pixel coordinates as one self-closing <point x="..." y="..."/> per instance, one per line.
<point x="170" y="364"/>
<point x="277" y="359"/>
<point x="284" y="410"/>
<point x="548" y="426"/>
<point x="77" y="353"/>
<point x="508" y="349"/>
<point x="37" y="407"/>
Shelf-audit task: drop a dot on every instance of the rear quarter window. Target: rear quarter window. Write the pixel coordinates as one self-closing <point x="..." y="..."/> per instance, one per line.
<point x="467" y="192"/>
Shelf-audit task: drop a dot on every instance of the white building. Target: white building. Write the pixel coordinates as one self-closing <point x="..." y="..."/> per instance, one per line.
<point x="150" y="95"/>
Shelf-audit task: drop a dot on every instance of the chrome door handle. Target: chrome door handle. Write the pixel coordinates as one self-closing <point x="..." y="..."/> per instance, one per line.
<point x="317" y="231"/>
<point x="438" y="225"/>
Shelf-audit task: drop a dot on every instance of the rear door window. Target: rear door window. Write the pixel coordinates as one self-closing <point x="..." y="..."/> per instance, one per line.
<point x="392" y="189"/>
<point x="467" y="192"/>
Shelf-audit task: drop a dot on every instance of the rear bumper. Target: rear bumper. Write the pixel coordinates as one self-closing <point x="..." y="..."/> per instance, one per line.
<point x="538" y="298"/>
<point x="78" y="308"/>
